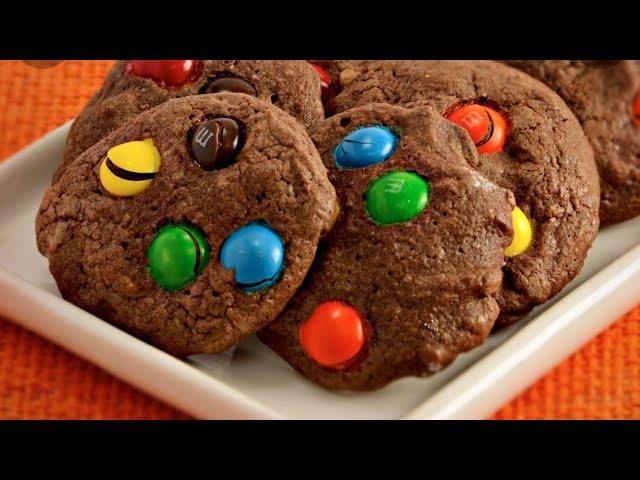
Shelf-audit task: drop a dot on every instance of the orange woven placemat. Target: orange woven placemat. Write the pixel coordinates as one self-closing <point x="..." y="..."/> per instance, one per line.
<point x="41" y="380"/>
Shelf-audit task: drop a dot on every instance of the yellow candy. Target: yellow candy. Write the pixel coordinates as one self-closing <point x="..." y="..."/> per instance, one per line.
<point x="522" y="233"/>
<point x="129" y="168"/>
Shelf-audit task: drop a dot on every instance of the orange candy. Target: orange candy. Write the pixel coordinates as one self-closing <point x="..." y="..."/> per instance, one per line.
<point x="487" y="128"/>
<point x="333" y="335"/>
<point x="635" y="109"/>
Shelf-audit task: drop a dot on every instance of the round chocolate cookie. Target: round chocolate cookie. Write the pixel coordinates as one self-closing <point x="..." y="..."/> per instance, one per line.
<point x="193" y="224"/>
<point x="528" y="141"/>
<point x="136" y="85"/>
<point x="405" y="281"/>
<point x="605" y="97"/>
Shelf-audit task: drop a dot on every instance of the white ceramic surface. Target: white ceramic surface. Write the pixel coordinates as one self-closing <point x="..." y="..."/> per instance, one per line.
<point x="255" y="383"/>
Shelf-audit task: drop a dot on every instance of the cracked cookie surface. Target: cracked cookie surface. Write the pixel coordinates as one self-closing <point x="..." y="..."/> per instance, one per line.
<point x="546" y="160"/>
<point x="601" y="95"/>
<point x="291" y="85"/>
<point x="396" y="295"/>
<point x="98" y="244"/>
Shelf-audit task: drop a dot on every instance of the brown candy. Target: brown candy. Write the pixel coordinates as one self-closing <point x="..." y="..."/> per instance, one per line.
<point x="230" y="84"/>
<point x="215" y="143"/>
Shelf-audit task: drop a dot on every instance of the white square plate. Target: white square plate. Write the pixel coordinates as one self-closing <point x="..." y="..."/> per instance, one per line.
<point x="255" y="383"/>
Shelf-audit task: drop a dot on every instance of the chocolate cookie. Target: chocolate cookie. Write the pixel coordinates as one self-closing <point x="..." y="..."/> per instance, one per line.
<point x="137" y="85"/>
<point x="529" y="142"/>
<point x="605" y="97"/>
<point x="193" y="224"/>
<point x="404" y="282"/>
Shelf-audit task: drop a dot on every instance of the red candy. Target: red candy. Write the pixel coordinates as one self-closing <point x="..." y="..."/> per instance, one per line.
<point x="487" y="128"/>
<point x="325" y="79"/>
<point x="333" y="335"/>
<point x="635" y="109"/>
<point x="169" y="73"/>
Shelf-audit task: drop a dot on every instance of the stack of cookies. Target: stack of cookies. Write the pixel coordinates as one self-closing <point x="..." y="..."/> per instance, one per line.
<point x="370" y="220"/>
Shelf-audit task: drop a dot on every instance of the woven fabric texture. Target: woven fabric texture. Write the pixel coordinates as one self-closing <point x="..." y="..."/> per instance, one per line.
<point x="39" y="380"/>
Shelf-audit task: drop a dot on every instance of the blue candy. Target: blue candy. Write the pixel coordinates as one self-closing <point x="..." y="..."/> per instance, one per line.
<point x="256" y="252"/>
<point x="365" y="146"/>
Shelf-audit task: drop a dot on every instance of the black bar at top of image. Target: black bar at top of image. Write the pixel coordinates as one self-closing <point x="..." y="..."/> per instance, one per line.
<point x="396" y="33"/>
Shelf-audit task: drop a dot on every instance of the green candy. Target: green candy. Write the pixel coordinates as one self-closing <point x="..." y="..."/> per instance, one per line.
<point x="177" y="255"/>
<point x="396" y="197"/>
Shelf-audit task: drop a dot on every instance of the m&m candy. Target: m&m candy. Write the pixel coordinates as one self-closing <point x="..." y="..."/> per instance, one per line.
<point x="230" y="83"/>
<point x="487" y="128"/>
<point x="365" y="146"/>
<point x="522" y="233"/>
<point x="325" y="78"/>
<point x="168" y="73"/>
<point x="635" y="109"/>
<point x="256" y="254"/>
<point x="396" y="197"/>
<point x="129" y="168"/>
<point x="215" y="143"/>
<point x="333" y="335"/>
<point x="177" y="255"/>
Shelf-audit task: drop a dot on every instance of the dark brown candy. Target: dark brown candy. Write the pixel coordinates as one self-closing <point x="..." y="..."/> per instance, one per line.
<point x="230" y="84"/>
<point x="216" y="143"/>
